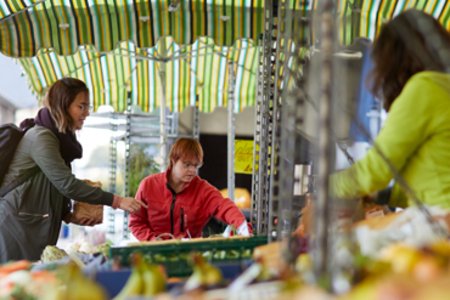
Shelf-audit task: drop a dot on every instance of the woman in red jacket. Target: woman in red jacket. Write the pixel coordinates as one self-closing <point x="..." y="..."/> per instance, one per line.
<point x="180" y="203"/>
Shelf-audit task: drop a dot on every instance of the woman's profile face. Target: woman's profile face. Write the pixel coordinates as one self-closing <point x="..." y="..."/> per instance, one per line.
<point x="79" y="110"/>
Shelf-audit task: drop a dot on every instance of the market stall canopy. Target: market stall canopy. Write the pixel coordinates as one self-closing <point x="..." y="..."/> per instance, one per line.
<point x="370" y="15"/>
<point x="198" y="70"/>
<point x="27" y="26"/>
<point x="120" y="48"/>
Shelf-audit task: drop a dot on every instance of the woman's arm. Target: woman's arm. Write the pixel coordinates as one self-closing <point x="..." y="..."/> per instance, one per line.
<point x="224" y="209"/>
<point x="47" y="156"/>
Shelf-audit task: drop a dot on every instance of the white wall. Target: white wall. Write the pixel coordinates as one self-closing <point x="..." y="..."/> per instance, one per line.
<point x="7" y="112"/>
<point x="217" y="122"/>
<point x="25" y="113"/>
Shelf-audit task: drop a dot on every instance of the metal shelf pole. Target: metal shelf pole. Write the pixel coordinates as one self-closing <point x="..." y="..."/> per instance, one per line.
<point x="231" y="131"/>
<point x="263" y="134"/>
<point x="322" y="213"/>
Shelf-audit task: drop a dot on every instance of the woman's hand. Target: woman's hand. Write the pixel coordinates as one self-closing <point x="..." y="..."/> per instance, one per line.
<point x="128" y="204"/>
<point x="84" y="221"/>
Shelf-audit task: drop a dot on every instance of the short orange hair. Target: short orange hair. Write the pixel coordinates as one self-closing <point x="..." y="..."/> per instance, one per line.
<point x="186" y="148"/>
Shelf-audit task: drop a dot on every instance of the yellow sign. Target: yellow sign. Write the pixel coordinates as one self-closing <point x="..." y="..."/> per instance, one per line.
<point x="243" y="156"/>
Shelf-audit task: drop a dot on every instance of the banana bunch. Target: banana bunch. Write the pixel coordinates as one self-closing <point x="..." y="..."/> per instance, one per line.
<point x="146" y="280"/>
<point x="75" y="285"/>
<point x="204" y="274"/>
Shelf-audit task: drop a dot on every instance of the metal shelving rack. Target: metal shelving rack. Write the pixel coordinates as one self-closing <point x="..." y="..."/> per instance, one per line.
<point x="112" y="175"/>
<point x="282" y="57"/>
<point x="273" y="154"/>
<point x="231" y="132"/>
<point x="290" y="100"/>
<point x="263" y="127"/>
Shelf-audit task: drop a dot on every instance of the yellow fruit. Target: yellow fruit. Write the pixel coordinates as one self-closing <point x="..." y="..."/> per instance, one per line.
<point x="204" y="274"/>
<point x="304" y="263"/>
<point x="427" y="269"/>
<point x="241" y="197"/>
<point x="441" y="247"/>
<point x="395" y="287"/>
<point x="135" y="283"/>
<point x="403" y="258"/>
<point x="76" y="286"/>
<point x="154" y="280"/>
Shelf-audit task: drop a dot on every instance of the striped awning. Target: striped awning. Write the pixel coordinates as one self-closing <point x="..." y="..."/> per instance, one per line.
<point x="116" y="45"/>
<point x="197" y="70"/>
<point x="364" y="18"/>
<point x="63" y="25"/>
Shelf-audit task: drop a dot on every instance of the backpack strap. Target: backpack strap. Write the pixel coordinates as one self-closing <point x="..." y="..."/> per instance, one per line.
<point x="18" y="181"/>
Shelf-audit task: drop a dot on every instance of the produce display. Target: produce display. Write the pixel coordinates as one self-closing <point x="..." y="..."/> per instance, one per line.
<point x="65" y="282"/>
<point x="175" y="254"/>
<point x="395" y="256"/>
<point x="52" y="253"/>
<point x="146" y="280"/>
<point x="204" y="274"/>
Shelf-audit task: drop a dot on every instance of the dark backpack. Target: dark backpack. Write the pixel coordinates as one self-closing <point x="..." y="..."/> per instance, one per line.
<point x="10" y="136"/>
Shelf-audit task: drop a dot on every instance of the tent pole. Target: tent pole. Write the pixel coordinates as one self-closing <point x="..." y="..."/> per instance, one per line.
<point x="231" y="130"/>
<point x="195" y="119"/>
<point x="162" y="123"/>
<point x="321" y="242"/>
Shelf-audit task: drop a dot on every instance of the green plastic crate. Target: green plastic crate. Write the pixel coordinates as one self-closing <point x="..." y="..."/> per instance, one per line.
<point x="174" y="255"/>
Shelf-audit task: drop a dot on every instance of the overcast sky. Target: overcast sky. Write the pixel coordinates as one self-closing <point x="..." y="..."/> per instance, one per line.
<point x="13" y="85"/>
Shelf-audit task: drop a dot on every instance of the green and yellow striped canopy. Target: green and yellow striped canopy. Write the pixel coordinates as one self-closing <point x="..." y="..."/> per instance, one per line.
<point x="117" y="46"/>
<point x="197" y="70"/>
<point x="64" y="25"/>
<point x="373" y="13"/>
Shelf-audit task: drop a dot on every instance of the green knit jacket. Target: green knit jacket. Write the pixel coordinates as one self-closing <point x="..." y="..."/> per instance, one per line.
<point x="415" y="139"/>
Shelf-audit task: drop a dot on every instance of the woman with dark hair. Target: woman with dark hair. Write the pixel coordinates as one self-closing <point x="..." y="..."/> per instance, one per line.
<point x="411" y="76"/>
<point x="180" y="203"/>
<point x="39" y="183"/>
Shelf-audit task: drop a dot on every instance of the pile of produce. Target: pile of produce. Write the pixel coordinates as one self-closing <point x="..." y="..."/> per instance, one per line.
<point x="145" y="280"/>
<point x="19" y="281"/>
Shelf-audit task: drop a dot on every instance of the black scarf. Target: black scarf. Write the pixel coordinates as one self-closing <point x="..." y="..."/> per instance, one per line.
<point x="69" y="147"/>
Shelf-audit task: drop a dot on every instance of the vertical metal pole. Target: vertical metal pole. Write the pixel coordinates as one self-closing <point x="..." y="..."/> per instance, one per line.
<point x="163" y="121"/>
<point x="196" y="119"/>
<point x="322" y="213"/>
<point x="257" y="141"/>
<point x="126" y="231"/>
<point x="231" y="131"/>
<point x="281" y="56"/>
<point x="261" y="191"/>
<point x="173" y="125"/>
<point x="111" y="226"/>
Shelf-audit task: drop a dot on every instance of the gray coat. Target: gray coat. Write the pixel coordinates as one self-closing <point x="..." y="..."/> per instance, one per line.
<point x="31" y="214"/>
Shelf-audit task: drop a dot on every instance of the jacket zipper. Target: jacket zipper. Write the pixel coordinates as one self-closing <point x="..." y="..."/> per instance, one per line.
<point x="21" y="213"/>
<point x="181" y="219"/>
<point x="172" y="207"/>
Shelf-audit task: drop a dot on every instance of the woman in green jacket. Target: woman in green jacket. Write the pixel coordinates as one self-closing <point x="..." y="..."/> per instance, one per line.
<point x="31" y="213"/>
<point x="411" y="59"/>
